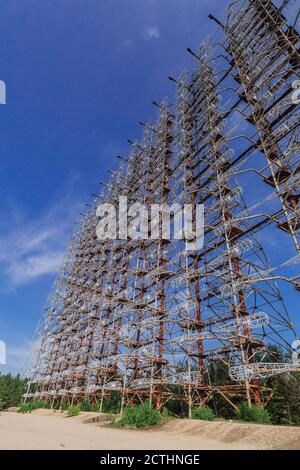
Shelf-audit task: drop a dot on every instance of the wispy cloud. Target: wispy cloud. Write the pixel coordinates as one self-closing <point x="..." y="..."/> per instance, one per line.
<point x="127" y="43"/>
<point x="151" y="32"/>
<point x="31" y="267"/>
<point x="34" y="247"/>
<point x="20" y="358"/>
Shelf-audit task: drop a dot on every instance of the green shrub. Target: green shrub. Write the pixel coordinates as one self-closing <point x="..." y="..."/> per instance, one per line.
<point x="24" y="408"/>
<point x="140" y="416"/>
<point x="33" y="405"/>
<point x="255" y="414"/>
<point x="113" y="419"/>
<point x="73" y="410"/>
<point x="203" y="412"/>
<point x="63" y="405"/>
<point x="87" y="406"/>
<point x="112" y="404"/>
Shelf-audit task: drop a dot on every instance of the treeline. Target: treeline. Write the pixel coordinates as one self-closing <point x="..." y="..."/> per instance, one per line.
<point x="11" y="390"/>
<point x="283" y="407"/>
<point x="284" y="404"/>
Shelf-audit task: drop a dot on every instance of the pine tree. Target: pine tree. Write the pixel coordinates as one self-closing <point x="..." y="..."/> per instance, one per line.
<point x="11" y="390"/>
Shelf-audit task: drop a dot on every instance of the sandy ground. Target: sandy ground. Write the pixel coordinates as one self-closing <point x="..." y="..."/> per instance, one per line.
<point x="44" y="429"/>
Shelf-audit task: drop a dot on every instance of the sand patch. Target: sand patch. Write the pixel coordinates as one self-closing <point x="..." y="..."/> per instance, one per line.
<point x="46" y="429"/>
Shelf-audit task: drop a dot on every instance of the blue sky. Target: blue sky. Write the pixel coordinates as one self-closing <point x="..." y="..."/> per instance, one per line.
<point x="80" y="74"/>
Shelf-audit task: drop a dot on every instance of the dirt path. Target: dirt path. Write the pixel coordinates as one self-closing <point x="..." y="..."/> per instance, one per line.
<point x="44" y="429"/>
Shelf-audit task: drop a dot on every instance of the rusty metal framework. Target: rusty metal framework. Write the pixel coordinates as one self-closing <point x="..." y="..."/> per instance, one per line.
<point x="150" y="318"/>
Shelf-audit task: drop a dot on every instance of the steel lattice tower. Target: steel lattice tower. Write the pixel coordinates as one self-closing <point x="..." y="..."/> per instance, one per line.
<point x="150" y="318"/>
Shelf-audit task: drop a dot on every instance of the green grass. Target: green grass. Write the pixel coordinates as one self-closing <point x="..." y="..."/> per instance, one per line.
<point x="255" y="414"/>
<point x="165" y="413"/>
<point x="33" y="405"/>
<point x="204" y="413"/>
<point x="73" y="410"/>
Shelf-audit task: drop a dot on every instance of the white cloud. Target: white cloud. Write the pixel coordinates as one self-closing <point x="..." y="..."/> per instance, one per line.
<point x="30" y="250"/>
<point x="21" y="357"/>
<point x="32" y="267"/>
<point x="34" y="247"/>
<point x="152" y="32"/>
